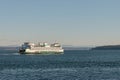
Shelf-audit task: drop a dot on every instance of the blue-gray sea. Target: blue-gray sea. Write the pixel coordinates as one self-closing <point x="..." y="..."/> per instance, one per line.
<point x="72" y="65"/>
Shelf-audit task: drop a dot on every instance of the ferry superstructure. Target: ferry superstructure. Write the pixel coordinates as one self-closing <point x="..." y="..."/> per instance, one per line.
<point x="41" y="48"/>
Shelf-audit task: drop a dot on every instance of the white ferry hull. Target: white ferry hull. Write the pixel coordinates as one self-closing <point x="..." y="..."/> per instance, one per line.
<point x="28" y="51"/>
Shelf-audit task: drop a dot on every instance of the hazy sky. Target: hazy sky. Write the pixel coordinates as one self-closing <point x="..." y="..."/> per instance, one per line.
<point x="70" y="22"/>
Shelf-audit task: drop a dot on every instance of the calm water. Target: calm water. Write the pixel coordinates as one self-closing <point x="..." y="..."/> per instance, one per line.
<point x="72" y="65"/>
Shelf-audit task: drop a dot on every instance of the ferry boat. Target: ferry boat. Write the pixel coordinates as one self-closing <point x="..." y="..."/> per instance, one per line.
<point x="41" y="48"/>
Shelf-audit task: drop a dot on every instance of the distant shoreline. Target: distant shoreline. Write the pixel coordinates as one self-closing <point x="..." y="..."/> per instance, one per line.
<point x="65" y="48"/>
<point x="108" y="47"/>
<point x="8" y="48"/>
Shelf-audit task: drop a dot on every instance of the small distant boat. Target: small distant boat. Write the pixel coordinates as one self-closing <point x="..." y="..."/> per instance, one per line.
<point x="41" y="48"/>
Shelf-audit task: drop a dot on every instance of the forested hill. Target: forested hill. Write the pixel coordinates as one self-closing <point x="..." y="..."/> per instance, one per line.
<point x="109" y="47"/>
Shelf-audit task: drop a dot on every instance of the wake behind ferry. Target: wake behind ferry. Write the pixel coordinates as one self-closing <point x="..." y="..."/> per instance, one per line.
<point x="41" y="48"/>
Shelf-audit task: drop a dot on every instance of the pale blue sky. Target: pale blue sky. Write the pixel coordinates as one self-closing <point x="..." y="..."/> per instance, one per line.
<point x="70" y="22"/>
